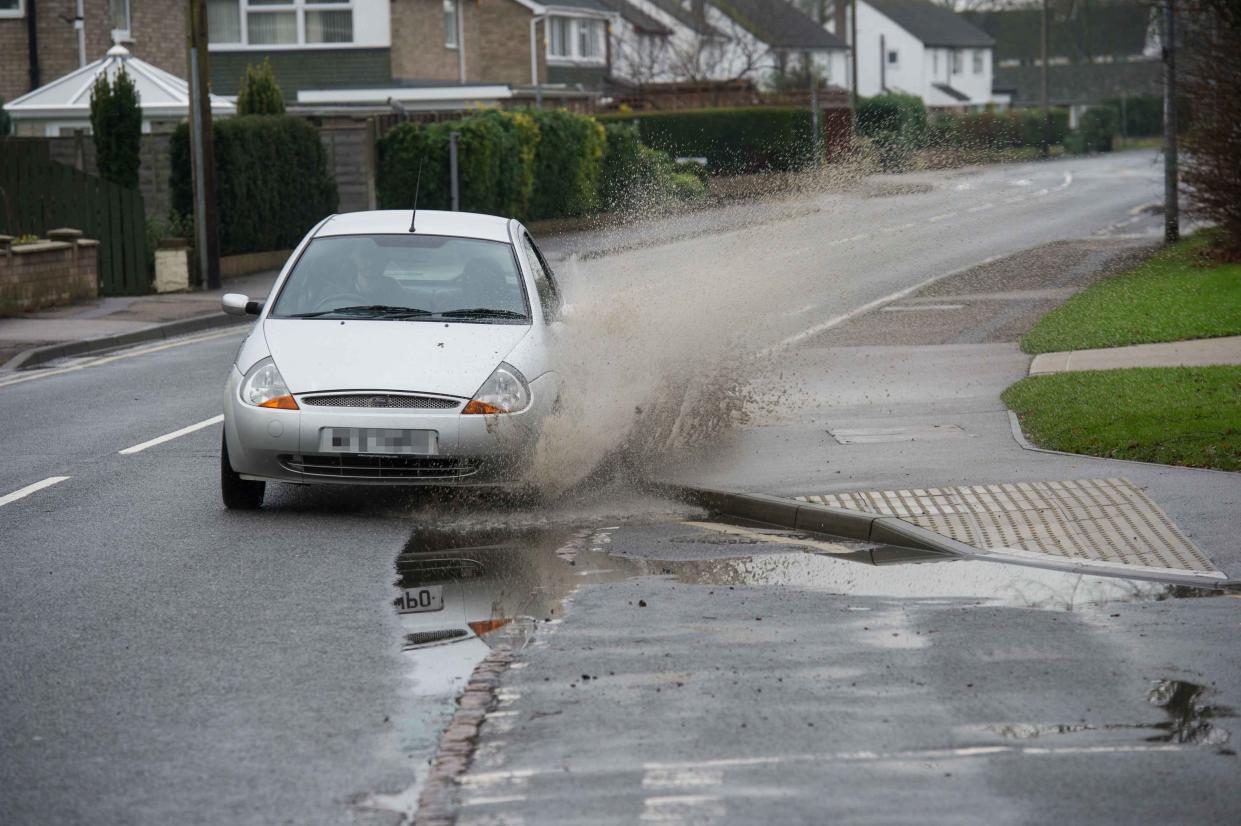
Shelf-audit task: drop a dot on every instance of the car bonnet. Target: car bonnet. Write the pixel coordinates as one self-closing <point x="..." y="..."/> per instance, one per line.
<point x="451" y="359"/>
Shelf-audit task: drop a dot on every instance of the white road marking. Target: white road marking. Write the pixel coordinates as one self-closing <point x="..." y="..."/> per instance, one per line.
<point x="849" y="240"/>
<point x="936" y="218"/>
<point x="981" y="207"/>
<point x="811" y="332"/>
<point x="905" y="307"/>
<point x="29" y="489"/>
<point x="168" y="437"/>
<point x="96" y="362"/>
<point x="1068" y="181"/>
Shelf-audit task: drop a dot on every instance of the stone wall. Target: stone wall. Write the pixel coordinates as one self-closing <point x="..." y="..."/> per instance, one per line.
<point x="60" y="270"/>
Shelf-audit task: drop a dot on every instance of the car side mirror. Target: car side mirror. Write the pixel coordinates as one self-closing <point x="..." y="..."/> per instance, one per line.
<point x="238" y="304"/>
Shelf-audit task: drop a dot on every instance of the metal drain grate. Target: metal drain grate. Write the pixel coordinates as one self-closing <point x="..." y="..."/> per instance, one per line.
<point x="1109" y="520"/>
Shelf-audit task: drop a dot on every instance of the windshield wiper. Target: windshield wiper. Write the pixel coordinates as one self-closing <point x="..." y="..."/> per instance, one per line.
<point x="482" y="312"/>
<point x="381" y="310"/>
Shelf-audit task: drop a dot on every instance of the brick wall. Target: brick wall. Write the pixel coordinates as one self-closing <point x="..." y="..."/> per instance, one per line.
<point x="497" y="42"/>
<point x="418" y="50"/>
<point x="500" y="53"/>
<point x="14" y="60"/>
<point x="46" y="274"/>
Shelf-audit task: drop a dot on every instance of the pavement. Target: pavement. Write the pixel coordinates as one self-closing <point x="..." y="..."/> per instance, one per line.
<point x="1194" y="353"/>
<point x="107" y="322"/>
<point x="169" y="660"/>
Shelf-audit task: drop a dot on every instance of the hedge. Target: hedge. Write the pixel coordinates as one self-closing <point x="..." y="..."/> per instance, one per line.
<point x="272" y="181"/>
<point x="1097" y="129"/>
<point x="734" y="141"/>
<point x="997" y="130"/>
<point x="566" y="165"/>
<point x="524" y="164"/>
<point x="895" y="123"/>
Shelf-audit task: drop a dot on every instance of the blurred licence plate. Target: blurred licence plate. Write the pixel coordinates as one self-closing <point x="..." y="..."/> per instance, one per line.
<point x="377" y="440"/>
<point x="417" y="600"/>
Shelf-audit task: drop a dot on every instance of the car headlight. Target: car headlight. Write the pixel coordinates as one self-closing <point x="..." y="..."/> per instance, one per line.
<point x="263" y="386"/>
<point x="504" y="391"/>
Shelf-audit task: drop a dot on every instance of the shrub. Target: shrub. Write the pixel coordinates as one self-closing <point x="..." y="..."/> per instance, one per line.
<point x="272" y="182"/>
<point x="567" y="164"/>
<point x="734" y="141"/>
<point x="495" y="155"/>
<point x="622" y="159"/>
<point x="688" y="187"/>
<point x="116" y="127"/>
<point x="1096" y="130"/>
<point x="997" y="130"/>
<point x="896" y="124"/>
<point x="259" y="94"/>
<point x="1213" y="143"/>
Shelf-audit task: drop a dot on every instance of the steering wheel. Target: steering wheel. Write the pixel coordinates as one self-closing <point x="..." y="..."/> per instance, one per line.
<point x="333" y="301"/>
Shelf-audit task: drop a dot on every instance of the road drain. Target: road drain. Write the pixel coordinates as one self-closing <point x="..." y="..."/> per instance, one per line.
<point x="1104" y="520"/>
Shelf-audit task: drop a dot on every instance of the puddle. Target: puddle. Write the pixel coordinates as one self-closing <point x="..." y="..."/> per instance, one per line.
<point x="1190" y="721"/>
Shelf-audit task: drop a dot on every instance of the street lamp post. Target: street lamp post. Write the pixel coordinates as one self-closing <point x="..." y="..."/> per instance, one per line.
<point x="1171" y="205"/>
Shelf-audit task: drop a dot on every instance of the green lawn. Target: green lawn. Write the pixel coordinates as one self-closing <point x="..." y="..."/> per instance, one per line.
<point x="1170" y="297"/>
<point x="1172" y="415"/>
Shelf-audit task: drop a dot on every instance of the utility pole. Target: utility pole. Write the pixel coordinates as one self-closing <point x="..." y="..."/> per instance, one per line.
<point x="816" y="137"/>
<point x="1046" y="141"/>
<point x="206" y="230"/>
<point x="1171" y="204"/>
<point x="853" y="53"/>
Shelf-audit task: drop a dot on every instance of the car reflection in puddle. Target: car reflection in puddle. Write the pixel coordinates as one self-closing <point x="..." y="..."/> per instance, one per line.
<point x="462" y="591"/>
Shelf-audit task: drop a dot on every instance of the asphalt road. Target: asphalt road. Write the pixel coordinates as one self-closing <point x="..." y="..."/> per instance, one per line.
<point x="165" y="660"/>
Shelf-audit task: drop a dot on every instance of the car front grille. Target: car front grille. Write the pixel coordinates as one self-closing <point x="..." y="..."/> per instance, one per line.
<point x="356" y="466"/>
<point x="392" y="401"/>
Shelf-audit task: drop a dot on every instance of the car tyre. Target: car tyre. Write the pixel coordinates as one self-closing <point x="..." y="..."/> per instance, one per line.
<point x="237" y="493"/>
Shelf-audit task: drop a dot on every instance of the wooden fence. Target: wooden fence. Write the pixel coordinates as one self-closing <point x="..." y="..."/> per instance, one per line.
<point x="38" y="194"/>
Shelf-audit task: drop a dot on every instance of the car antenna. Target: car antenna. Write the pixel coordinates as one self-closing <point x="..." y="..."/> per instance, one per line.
<point x="417" y="185"/>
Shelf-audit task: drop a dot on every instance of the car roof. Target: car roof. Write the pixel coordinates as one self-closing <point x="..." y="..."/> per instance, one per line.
<point x="429" y="222"/>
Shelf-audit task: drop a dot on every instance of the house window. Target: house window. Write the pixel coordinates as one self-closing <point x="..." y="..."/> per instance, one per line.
<point x="279" y="22"/>
<point x="450" y="24"/>
<point x="118" y="17"/>
<point x="578" y="39"/>
<point x="12" y="8"/>
<point x="978" y="61"/>
<point x="956" y="61"/>
<point x="893" y="57"/>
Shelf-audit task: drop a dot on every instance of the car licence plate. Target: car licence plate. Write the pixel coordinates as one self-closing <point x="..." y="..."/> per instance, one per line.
<point x="378" y="440"/>
<point x="418" y="600"/>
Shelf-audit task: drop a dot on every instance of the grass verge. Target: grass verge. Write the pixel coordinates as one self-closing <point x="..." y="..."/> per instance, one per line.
<point x="1172" y="415"/>
<point x="1173" y="296"/>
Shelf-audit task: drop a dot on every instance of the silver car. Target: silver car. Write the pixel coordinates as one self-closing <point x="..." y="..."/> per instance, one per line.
<point x="396" y="348"/>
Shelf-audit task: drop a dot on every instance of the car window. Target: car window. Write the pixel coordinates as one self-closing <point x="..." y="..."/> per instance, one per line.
<point x="426" y="276"/>
<point x="544" y="280"/>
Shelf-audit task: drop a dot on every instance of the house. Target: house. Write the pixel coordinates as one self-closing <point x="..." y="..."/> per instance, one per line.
<point x="1096" y="52"/>
<point x="923" y="49"/>
<point x="39" y="42"/>
<point x="765" y="41"/>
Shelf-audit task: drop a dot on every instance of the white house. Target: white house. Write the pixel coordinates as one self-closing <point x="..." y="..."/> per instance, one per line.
<point x="724" y="40"/>
<point x="923" y="49"/>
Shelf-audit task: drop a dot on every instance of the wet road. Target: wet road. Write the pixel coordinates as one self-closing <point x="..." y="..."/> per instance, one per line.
<point x="165" y="660"/>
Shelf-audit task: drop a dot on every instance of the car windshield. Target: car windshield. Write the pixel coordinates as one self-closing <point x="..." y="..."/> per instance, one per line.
<point x="405" y="277"/>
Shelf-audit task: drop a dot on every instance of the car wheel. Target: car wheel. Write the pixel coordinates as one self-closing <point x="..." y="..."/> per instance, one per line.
<point x="237" y="493"/>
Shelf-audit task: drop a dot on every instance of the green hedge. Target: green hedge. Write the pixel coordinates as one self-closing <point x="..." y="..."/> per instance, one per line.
<point x="524" y="164"/>
<point x="495" y="156"/>
<point x="896" y="124"/>
<point x="272" y="181"/>
<point x="567" y="164"/>
<point x="1097" y="130"/>
<point x="734" y="141"/>
<point x="998" y="130"/>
